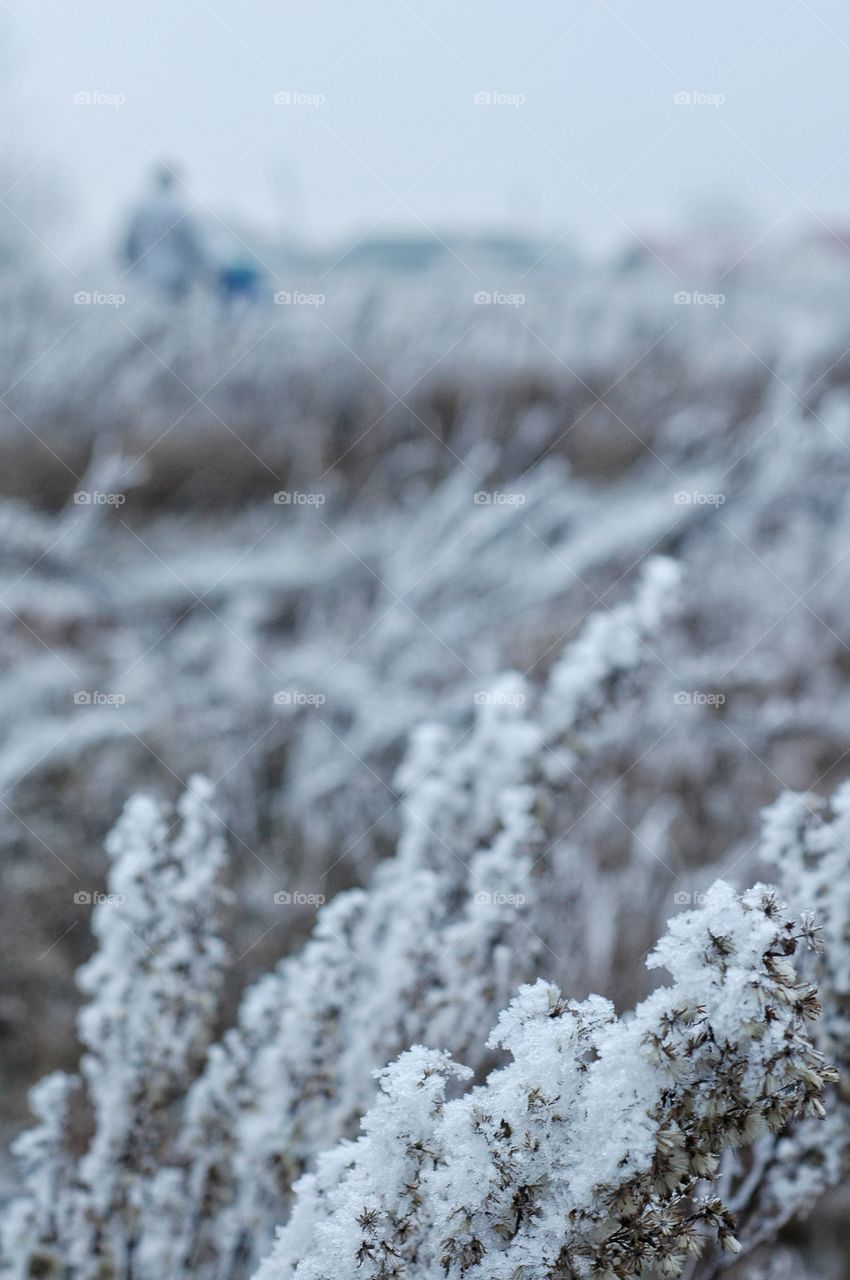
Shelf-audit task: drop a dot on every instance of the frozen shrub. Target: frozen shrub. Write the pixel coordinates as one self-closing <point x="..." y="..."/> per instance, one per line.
<point x="603" y="1146"/>
<point x="153" y="997"/>
<point x="784" y="1176"/>
<point x="34" y="1227"/>
<point x="430" y="952"/>
<point x="594" y="1151"/>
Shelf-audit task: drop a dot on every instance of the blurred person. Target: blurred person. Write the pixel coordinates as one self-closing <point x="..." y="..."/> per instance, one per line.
<point x="164" y="246"/>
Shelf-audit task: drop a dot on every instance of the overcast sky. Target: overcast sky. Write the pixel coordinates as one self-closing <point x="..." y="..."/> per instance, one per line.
<point x="583" y="131"/>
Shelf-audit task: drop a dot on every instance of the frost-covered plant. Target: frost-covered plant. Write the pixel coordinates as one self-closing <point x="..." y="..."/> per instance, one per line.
<point x="399" y="596"/>
<point x="187" y="1178"/>
<point x="807" y="845"/>
<point x="598" y="405"/>
<point x="153" y="987"/>
<point x="430" y="952"/>
<point x="33" y="1232"/>
<point x="293" y="600"/>
<point x="593" y="1152"/>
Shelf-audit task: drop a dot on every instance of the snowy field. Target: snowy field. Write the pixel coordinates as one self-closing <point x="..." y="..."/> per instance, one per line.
<point x="453" y="630"/>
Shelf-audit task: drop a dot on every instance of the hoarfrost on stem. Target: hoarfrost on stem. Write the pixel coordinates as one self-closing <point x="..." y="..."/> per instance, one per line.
<point x="153" y="989"/>
<point x="593" y="1151"/>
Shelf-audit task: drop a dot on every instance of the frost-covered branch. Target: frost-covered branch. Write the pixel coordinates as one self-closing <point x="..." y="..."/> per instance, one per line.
<point x="594" y="1149"/>
<point x="430" y="952"/>
<point x="176" y="1181"/>
<point x="807" y="845"/>
<point x="153" y="998"/>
